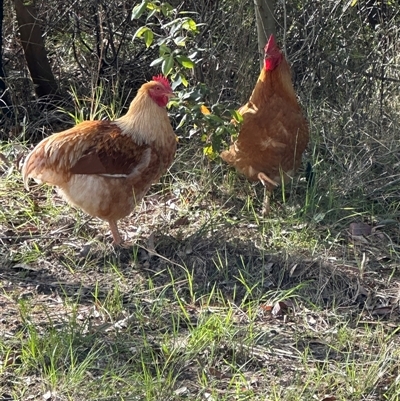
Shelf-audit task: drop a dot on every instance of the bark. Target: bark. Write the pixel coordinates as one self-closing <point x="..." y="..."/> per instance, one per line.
<point x="35" y="52"/>
<point x="265" y="21"/>
<point x="5" y="103"/>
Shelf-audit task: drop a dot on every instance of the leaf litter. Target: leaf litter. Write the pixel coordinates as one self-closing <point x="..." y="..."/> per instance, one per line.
<point x="61" y="273"/>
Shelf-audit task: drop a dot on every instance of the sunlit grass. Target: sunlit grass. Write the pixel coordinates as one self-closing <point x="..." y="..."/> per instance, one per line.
<point x="209" y="300"/>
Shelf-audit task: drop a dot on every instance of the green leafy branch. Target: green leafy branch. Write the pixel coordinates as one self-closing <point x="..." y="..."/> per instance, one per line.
<point x="212" y="125"/>
<point x="173" y="32"/>
<point x="175" y="38"/>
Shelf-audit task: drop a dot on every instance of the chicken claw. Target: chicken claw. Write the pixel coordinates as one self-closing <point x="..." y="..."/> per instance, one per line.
<point x="265" y="180"/>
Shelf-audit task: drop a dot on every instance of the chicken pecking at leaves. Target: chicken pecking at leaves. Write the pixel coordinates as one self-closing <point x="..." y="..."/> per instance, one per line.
<point x="274" y="132"/>
<point x="106" y="167"/>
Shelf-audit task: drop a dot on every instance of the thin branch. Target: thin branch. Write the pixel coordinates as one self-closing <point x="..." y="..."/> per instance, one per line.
<point x="364" y="74"/>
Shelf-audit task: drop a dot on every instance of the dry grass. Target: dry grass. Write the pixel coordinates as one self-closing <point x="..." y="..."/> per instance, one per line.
<point x="208" y="300"/>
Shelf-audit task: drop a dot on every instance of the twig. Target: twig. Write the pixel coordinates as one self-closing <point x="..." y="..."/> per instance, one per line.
<point x="365" y="74"/>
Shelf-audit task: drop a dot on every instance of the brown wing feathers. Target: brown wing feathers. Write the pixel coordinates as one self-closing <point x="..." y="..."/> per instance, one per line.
<point x="119" y="158"/>
<point x="92" y="147"/>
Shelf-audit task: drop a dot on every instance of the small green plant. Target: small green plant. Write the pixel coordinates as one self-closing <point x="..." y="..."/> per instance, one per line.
<point x="173" y="32"/>
<point x="212" y="126"/>
<point x="98" y="105"/>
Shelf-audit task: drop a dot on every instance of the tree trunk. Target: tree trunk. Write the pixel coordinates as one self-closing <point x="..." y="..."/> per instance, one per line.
<point x="265" y="21"/>
<point x="35" y="52"/>
<point x="5" y="103"/>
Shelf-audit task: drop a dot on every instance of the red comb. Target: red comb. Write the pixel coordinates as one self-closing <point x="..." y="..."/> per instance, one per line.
<point x="271" y="45"/>
<point x="163" y="80"/>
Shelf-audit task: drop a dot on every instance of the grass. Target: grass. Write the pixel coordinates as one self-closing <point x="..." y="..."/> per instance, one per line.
<point x="210" y="301"/>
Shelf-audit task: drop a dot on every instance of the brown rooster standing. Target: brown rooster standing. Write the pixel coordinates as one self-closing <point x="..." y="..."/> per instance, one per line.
<point x="106" y="167"/>
<point x="274" y="132"/>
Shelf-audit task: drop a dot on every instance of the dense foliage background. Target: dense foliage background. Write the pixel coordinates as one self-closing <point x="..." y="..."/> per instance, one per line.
<point x="341" y="52"/>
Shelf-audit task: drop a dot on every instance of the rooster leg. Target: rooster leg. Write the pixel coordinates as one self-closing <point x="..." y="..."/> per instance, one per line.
<point x="115" y="233"/>
<point x="267" y="182"/>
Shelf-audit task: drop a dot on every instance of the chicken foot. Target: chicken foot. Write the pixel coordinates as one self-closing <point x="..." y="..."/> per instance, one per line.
<point x="266" y="180"/>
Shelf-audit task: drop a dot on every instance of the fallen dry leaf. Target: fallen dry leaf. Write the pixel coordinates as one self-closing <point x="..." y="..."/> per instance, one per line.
<point x="382" y="311"/>
<point x="218" y="374"/>
<point x="181" y="390"/>
<point x="359" y="229"/>
<point x="296" y="270"/>
<point x="280" y="309"/>
<point x="266" y="308"/>
<point x="181" y="221"/>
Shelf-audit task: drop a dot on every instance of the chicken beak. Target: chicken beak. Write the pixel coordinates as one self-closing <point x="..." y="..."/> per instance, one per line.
<point x="170" y="95"/>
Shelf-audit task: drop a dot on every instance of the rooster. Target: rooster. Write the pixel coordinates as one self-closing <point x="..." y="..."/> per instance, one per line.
<point x="106" y="167"/>
<point x="274" y="133"/>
